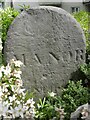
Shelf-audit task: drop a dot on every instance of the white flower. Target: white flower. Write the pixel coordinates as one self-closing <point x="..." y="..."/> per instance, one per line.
<point x="1" y="92"/>
<point x="6" y="70"/>
<point x="12" y="98"/>
<point x="13" y="104"/>
<point x="31" y="102"/>
<point x="20" y="110"/>
<point x="18" y="63"/>
<point x="0" y="73"/>
<point x="13" y="88"/>
<point x="14" y="112"/>
<point x="1" y="47"/>
<point x="25" y="107"/>
<point x="17" y="111"/>
<point x="2" y="68"/>
<point x="3" y="109"/>
<point x="17" y="74"/>
<point x="17" y="102"/>
<point x="32" y="112"/>
<point x="60" y="111"/>
<point x="27" y="114"/>
<point x="19" y="82"/>
<point x="52" y="94"/>
<point x="0" y="41"/>
<point x="30" y="108"/>
<point x="20" y="91"/>
<point x="5" y="87"/>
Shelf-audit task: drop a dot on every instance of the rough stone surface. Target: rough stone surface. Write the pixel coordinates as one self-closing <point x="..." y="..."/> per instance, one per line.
<point x="50" y="43"/>
<point x="85" y="109"/>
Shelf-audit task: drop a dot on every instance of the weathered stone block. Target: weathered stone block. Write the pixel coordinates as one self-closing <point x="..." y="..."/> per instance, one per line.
<point x="50" y="43"/>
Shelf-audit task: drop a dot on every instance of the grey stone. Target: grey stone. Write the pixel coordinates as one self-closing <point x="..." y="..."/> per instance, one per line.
<point x="75" y="115"/>
<point x="50" y="43"/>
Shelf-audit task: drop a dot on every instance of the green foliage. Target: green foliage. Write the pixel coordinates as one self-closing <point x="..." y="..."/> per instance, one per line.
<point x="46" y="109"/>
<point x="72" y="97"/>
<point x="24" y="7"/>
<point x="85" y="68"/>
<point x="0" y="59"/>
<point x="82" y="18"/>
<point x="6" y="18"/>
<point x="28" y="95"/>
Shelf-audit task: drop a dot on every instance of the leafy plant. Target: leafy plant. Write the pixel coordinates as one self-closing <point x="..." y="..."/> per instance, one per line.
<point x="48" y="109"/>
<point x="82" y="18"/>
<point x="73" y="96"/>
<point x="24" y="7"/>
<point x="6" y="17"/>
<point x="1" y="51"/>
<point x="85" y="68"/>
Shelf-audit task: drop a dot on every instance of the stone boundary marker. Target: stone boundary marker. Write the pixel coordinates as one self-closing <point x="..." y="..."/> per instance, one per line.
<point x="50" y="43"/>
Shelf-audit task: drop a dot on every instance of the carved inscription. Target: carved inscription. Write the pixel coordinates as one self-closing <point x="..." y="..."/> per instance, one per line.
<point x="54" y="57"/>
<point x="37" y="58"/>
<point x="79" y="54"/>
<point x="24" y="59"/>
<point x="70" y="56"/>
